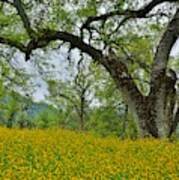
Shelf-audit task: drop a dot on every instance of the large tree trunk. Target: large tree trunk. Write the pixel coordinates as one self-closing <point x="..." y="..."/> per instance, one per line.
<point x="155" y="112"/>
<point x="157" y="118"/>
<point x="158" y="113"/>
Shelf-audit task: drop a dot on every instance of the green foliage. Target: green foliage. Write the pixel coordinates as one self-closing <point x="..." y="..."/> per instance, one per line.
<point x="17" y="37"/>
<point x="174" y="64"/>
<point x="107" y="121"/>
<point x="7" y="19"/>
<point x="46" y="119"/>
<point x="89" y="10"/>
<point x="11" y="25"/>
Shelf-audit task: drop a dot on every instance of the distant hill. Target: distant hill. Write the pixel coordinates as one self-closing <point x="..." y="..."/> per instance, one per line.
<point x="12" y="104"/>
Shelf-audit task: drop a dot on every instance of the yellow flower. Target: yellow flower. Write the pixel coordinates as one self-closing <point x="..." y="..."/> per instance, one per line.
<point x="63" y="154"/>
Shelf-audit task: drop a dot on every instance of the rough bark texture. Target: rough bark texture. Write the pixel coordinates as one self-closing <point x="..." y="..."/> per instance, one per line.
<point x="163" y="87"/>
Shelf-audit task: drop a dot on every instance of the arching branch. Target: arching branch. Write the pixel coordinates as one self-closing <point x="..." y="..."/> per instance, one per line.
<point x="128" y="14"/>
<point x="75" y="42"/>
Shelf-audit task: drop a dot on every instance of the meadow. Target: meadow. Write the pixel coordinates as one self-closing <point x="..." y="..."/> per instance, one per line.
<point x="69" y="155"/>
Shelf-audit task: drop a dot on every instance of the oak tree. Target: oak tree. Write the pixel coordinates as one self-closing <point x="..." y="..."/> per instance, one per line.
<point x="99" y="29"/>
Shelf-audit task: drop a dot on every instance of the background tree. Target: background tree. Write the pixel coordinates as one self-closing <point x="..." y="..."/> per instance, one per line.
<point x="74" y="95"/>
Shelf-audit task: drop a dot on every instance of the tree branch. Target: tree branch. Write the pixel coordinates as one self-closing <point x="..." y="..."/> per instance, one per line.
<point x="20" y="9"/>
<point x="21" y="12"/>
<point x="123" y="79"/>
<point x="75" y="42"/>
<point x="115" y="67"/>
<point x="141" y="13"/>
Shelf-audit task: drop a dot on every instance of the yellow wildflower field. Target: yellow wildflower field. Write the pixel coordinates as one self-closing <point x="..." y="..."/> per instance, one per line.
<point x="63" y="154"/>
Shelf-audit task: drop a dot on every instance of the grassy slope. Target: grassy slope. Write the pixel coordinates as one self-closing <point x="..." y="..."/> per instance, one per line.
<point x="63" y="154"/>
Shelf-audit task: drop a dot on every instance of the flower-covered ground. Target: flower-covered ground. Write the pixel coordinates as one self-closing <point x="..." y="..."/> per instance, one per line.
<point x="62" y="154"/>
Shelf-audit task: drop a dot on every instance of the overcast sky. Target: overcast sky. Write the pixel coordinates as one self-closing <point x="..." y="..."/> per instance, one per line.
<point x="58" y="58"/>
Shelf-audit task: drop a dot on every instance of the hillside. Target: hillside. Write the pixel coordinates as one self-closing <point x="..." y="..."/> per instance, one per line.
<point x="19" y="109"/>
<point x="63" y="154"/>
